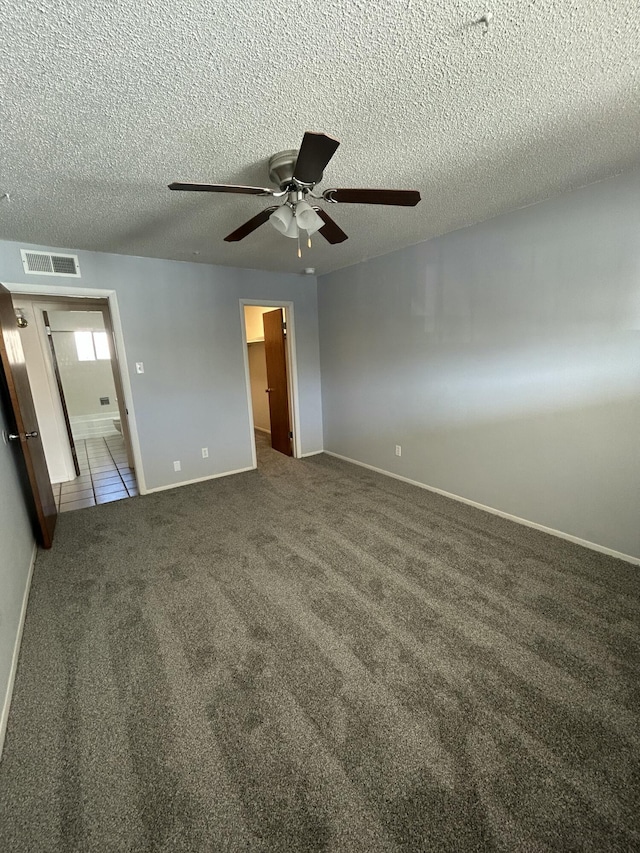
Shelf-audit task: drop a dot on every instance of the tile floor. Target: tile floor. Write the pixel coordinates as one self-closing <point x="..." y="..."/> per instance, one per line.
<point x="104" y="475"/>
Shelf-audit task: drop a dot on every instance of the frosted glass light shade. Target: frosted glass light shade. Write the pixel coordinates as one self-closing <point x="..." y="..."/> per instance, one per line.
<point x="284" y="221"/>
<point x="307" y="218"/>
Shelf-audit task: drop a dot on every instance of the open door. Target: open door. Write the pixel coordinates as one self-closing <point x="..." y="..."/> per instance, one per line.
<point x="276" y="358"/>
<point x="26" y="431"/>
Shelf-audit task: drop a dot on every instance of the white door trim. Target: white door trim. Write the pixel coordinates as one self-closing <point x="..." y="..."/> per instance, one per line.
<point x="292" y="372"/>
<point x="112" y="300"/>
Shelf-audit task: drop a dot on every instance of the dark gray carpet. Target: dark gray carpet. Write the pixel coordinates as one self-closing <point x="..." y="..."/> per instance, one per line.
<point x="312" y="657"/>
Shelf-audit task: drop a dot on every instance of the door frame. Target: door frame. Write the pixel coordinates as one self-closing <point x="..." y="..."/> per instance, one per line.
<point x="292" y="371"/>
<point x="44" y="290"/>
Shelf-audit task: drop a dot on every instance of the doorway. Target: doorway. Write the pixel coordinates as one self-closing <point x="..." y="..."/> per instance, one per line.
<point x="77" y="388"/>
<point x="271" y="378"/>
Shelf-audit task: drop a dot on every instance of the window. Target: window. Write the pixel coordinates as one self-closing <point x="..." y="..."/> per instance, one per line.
<point x="92" y="345"/>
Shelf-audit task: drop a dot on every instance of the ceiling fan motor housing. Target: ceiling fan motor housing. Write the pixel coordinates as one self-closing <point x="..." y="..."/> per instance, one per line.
<point x="281" y="167"/>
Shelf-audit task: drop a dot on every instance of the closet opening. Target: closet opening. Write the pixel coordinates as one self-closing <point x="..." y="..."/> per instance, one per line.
<point x="271" y="378"/>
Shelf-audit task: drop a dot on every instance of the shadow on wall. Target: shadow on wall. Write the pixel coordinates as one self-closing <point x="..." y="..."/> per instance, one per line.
<point x="545" y="431"/>
<point x="498" y="382"/>
<point x="446" y="384"/>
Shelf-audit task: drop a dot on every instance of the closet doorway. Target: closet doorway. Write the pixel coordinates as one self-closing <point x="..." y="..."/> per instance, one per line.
<point x="271" y="376"/>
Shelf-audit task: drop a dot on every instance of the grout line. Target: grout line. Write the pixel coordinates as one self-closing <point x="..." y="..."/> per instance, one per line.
<point x="93" y="488"/>
<point x="83" y="454"/>
<point x="124" y="485"/>
<point x="125" y="465"/>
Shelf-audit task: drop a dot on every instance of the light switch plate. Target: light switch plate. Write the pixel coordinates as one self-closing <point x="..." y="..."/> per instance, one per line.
<point x="139" y="367"/>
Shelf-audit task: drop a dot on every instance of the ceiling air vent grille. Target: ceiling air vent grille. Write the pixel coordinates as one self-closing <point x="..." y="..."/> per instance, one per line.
<point x="45" y="263"/>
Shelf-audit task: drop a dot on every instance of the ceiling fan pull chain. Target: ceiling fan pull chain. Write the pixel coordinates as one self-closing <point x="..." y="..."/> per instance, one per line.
<point x="309" y="241"/>
<point x="299" y="249"/>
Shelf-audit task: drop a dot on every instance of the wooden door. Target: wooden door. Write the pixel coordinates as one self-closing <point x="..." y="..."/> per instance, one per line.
<point x="276" y="358"/>
<point x="24" y="427"/>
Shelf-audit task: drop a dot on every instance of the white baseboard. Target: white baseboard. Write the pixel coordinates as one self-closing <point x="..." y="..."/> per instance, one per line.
<point x="4" y="717"/>
<point x="313" y="453"/>
<point x="197" y="480"/>
<point x="552" y="531"/>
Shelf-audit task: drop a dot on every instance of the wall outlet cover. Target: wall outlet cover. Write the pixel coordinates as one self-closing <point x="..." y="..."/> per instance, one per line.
<point x="177" y="466"/>
<point x="205" y="452"/>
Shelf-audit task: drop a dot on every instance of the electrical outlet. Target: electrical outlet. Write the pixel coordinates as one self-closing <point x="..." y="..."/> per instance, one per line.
<point x="398" y="450"/>
<point x="177" y="466"/>
<point x="205" y="452"/>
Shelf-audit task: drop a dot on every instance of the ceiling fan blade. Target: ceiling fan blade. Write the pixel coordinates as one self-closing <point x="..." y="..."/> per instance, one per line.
<point x="404" y="198"/>
<point x="253" y="223"/>
<point x="331" y="231"/>
<point x="221" y="188"/>
<point x="315" y="152"/>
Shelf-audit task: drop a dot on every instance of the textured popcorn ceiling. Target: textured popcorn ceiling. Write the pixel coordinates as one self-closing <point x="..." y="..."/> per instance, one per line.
<point x="104" y="103"/>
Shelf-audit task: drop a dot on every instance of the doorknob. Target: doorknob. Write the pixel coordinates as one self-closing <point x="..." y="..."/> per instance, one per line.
<point x="268" y="390"/>
<point x="33" y="434"/>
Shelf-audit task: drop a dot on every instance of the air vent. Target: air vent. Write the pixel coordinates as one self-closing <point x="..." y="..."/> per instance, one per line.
<point x="44" y="263"/>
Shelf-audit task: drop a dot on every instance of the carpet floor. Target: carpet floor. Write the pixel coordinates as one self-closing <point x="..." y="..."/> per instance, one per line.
<point x="314" y="657"/>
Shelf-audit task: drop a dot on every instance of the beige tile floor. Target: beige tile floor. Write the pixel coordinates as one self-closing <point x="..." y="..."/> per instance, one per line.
<point x="104" y="475"/>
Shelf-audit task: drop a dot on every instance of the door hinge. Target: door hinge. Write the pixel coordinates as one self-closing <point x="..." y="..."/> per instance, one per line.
<point x="290" y="435"/>
<point x="284" y="327"/>
<point x="48" y="330"/>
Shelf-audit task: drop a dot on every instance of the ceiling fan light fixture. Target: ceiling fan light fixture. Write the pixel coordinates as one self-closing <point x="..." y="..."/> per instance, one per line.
<point x="284" y="221"/>
<point x="307" y="218"/>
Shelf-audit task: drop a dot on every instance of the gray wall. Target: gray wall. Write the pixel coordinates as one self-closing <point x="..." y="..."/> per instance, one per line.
<point x="504" y="359"/>
<point x="16" y="549"/>
<point x="183" y="321"/>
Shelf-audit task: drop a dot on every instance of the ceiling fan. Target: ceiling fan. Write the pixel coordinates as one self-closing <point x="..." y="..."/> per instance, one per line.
<point x="296" y="173"/>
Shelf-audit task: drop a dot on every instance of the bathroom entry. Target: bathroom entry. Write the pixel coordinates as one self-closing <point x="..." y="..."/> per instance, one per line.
<point x="81" y="359"/>
<point x="270" y="374"/>
<point x="73" y="371"/>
